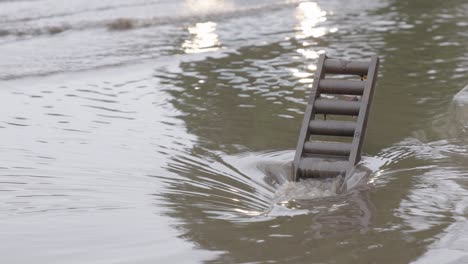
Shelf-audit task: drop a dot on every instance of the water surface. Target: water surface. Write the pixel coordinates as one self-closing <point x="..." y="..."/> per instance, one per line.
<point x="163" y="131"/>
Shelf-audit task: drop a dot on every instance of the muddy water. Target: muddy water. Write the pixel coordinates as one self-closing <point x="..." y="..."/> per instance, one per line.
<point x="162" y="132"/>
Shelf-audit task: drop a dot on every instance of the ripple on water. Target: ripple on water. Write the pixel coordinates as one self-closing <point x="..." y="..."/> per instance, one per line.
<point x="251" y="187"/>
<point x="189" y="142"/>
<point x="76" y="153"/>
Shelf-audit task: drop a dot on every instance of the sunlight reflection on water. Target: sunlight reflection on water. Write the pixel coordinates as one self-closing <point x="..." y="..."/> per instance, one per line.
<point x="203" y="38"/>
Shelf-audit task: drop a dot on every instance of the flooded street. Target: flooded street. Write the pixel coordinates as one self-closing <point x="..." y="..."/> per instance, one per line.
<point x="155" y="131"/>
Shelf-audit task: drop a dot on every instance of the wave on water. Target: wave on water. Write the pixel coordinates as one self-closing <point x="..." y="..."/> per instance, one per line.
<point x="254" y="186"/>
<point x="120" y="17"/>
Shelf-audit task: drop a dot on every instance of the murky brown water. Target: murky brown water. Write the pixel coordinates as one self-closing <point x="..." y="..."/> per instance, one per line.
<point x="162" y="132"/>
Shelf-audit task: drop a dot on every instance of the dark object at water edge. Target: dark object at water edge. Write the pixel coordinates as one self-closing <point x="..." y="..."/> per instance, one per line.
<point x="330" y="147"/>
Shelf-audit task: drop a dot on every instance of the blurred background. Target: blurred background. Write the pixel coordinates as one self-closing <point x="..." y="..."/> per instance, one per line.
<point x="154" y="131"/>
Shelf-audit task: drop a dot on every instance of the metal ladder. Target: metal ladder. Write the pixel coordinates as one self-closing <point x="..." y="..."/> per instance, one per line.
<point x="318" y="158"/>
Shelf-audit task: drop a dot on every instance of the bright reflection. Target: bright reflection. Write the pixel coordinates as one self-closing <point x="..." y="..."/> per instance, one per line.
<point x="308" y="53"/>
<point x="312" y="67"/>
<point x="376" y="176"/>
<point x="309" y="15"/>
<point x="246" y="212"/>
<point x="203" y="38"/>
<point x="304" y="77"/>
<point x="202" y="6"/>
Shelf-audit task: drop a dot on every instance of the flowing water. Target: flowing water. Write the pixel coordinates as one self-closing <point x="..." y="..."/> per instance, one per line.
<point x="156" y="131"/>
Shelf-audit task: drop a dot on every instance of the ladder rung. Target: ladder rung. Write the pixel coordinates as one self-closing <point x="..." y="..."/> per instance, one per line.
<point x="337" y="107"/>
<point x="335" y="66"/>
<point x="327" y="148"/>
<point x="314" y="167"/>
<point x="334" y="86"/>
<point x="332" y="128"/>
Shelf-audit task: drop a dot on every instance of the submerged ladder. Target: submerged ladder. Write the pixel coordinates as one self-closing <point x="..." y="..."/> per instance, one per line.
<point x="330" y="147"/>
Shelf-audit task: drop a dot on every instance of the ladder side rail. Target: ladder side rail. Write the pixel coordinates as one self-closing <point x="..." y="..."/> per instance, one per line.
<point x="359" y="134"/>
<point x="308" y="115"/>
